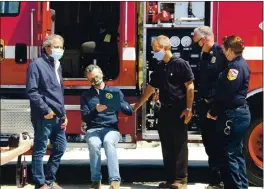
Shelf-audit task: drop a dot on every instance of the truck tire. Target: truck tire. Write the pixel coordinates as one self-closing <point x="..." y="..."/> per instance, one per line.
<point x="253" y="150"/>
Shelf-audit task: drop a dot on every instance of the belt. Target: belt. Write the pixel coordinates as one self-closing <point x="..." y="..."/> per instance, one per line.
<point x="244" y="106"/>
<point x="238" y="106"/>
<point x="207" y="100"/>
<point x="167" y="105"/>
<point x="178" y="106"/>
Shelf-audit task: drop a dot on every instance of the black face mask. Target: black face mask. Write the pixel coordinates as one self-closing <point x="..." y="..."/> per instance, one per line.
<point x="197" y="46"/>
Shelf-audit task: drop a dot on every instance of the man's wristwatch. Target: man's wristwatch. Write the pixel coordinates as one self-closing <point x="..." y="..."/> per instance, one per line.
<point x="189" y="109"/>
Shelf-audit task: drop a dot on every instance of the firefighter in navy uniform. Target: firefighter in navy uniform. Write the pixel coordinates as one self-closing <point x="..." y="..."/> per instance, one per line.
<point x="174" y="78"/>
<point x="232" y="114"/>
<point x="212" y="64"/>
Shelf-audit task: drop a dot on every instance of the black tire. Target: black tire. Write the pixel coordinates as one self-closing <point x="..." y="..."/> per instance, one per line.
<point x="254" y="172"/>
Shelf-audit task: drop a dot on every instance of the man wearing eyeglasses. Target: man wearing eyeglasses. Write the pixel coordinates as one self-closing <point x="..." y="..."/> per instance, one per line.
<point x="212" y="63"/>
<point x="48" y="115"/>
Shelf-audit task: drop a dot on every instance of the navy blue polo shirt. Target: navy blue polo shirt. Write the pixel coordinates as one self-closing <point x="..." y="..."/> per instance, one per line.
<point x="169" y="78"/>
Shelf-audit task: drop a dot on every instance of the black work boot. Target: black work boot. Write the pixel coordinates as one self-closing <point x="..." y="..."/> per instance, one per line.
<point x="164" y="184"/>
<point x="215" y="186"/>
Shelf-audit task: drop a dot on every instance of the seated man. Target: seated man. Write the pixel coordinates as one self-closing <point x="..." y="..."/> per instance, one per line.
<point x="102" y="128"/>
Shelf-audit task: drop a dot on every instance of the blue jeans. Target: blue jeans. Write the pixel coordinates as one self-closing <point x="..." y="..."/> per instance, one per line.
<point x="108" y="138"/>
<point x="232" y="162"/>
<point x="44" y="130"/>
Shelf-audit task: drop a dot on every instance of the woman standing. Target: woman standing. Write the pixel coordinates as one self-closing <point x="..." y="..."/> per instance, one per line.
<point x="232" y="114"/>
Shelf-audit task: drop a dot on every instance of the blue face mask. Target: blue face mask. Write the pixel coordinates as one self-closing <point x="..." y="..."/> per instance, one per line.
<point x="159" y="55"/>
<point x="56" y="54"/>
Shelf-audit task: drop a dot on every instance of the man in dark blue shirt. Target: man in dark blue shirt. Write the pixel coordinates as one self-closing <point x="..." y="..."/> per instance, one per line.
<point x="174" y="78"/>
<point x="102" y="127"/>
<point x="45" y="91"/>
<point x="212" y="63"/>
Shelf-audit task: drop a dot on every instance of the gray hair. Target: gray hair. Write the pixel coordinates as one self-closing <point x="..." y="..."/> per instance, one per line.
<point x="91" y="67"/>
<point x="49" y="38"/>
<point x="163" y="41"/>
<point x="203" y="31"/>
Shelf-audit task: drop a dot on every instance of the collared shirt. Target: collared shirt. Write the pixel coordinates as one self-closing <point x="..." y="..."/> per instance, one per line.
<point x="211" y="65"/>
<point x="232" y="86"/>
<point x="57" y="66"/>
<point x="170" y="78"/>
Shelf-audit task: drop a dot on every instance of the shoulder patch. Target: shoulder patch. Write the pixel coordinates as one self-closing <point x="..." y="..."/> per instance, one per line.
<point x="232" y="74"/>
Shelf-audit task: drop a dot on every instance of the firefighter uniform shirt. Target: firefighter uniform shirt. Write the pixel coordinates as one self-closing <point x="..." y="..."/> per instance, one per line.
<point x="211" y="65"/>
<point x="169" y="78"/>
<point x="232" y="86"/>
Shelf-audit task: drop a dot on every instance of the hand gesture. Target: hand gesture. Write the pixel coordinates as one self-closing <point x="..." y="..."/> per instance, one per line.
<point x="206" y="47"/>
<point x="187" y="116"/>
<point x="133" y="105"/>
<point x="100" y="107"/>
<point x="209" y="116"/>
<point x="65" y="123"/>
<point x="49" y="115"/>
<point x="155" y="97"/>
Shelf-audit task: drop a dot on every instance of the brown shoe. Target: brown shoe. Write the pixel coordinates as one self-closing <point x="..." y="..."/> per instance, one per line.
<point x="42" y="187"/>
<point x="54" y="185"/>
<point x="164" y="184"/>
<point x="217" y="186"/>
<point x="177" y="185"/>
<point x="114" y="185"/>
<point x="96" y="185"/>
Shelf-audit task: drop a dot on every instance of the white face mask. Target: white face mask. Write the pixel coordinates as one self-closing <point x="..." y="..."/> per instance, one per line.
<point x="159" y="55"/>
<point x="56" y="53"/>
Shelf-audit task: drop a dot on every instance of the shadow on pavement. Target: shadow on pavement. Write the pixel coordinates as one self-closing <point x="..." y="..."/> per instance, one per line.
<point x="78" y="172"/>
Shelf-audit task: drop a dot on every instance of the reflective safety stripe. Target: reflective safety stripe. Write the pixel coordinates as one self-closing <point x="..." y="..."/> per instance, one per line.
<point x="68" y="87"/>
<point x="253" y="53"/>
<point x="10" y="52"/>
<point x="129" y="53"/>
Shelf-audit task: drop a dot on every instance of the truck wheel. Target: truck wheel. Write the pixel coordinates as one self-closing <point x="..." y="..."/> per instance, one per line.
<point x="253" y="143"/>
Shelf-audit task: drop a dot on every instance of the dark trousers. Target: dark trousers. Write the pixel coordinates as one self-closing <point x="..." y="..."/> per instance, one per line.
<point x="173" y="138"/>
<point x="208" y="131"/>
<point x="44" y="130"/>
<point x="232" y="165"/>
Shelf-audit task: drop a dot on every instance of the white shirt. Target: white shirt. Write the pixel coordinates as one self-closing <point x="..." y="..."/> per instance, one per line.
<point x="57" y="65"/>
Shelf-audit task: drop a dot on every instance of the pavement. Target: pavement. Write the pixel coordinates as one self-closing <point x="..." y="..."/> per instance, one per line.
<point x="124" y="186"/>
<point x="147" y="156"/>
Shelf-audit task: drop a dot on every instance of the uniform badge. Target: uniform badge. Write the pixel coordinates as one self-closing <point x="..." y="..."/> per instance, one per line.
<point x="232" y="74"/>
<point x="109" y="96"/>
<point x="213" y="60"/>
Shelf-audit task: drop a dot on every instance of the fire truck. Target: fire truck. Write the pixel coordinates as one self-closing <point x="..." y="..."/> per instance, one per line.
<point x="119" y="36"/>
